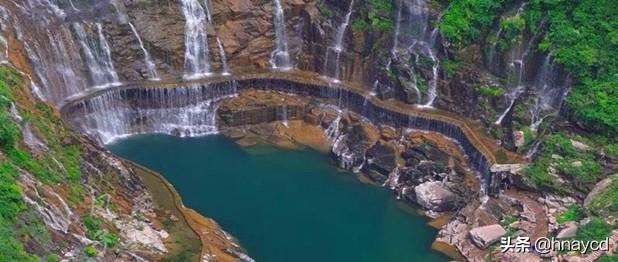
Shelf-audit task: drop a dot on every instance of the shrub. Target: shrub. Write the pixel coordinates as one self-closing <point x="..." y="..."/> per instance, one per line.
<point x="9" y="132"/>
<point x="380" y="14"/>
<point x="465" y="21"/>
<point x="596" y="229"/>
<point x="90" y="251"/>
<point x="491" y="92"/>
<point x="573" y="213"/>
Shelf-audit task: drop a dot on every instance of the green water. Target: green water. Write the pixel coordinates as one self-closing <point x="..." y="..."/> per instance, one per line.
<point x="285" y="205"/>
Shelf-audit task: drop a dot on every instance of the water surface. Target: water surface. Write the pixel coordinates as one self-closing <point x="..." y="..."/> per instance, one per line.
<point x="285" y="205"/>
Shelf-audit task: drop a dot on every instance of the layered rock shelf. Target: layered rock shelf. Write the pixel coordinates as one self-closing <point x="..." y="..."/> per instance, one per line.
<point x="347" y="96"/>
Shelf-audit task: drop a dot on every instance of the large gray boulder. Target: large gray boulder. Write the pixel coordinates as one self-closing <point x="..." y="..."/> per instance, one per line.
<point x="434" y="196"/>
<point x="485" y="236"/>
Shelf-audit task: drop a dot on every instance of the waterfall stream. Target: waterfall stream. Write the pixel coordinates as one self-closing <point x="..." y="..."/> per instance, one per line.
<point x="98" y="56"/>
<point x="182" y="111"/>
<point x="332" y="131"/>
<point x="413" y="19"/>
<point x="285" y="116"/>
<point x="337" y="48"/>
<point x="150" y="65"/>
<point x="197" y="56"/>
<point x="226" y="69"/>
<point x="549" y="94"/>
<point x="280" y="57"/>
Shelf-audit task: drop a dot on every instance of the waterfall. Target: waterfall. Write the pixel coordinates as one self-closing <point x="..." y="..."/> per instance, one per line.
<point x="511" y="95"/>
<point x="49" y="47"/>
<point x="516" y="70"/>
<point x="280" y="57"/>
<point x="491" y="56"/>
<point x="98" y="56"/>
<point x="197" y="57"/>
<point x="73" y="5"/>
<point x="397" y="29"/>
<point x="150" y="65"/>
<point x="338" y="47"/>
<point x="4" y="47"/>
<point x="226" y="69"/>
<point x="332" y="132"/>
<point x="285" y="116"/>
<point x="182" y="111"/>
<point x="413" y="19"/>
<point x="549" y="94"/>
<point x="433" y="84"/>
<point x="492" y="50"/>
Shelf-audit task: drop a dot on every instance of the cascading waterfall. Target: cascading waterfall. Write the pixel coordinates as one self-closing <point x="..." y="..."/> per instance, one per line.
<point x="150" y="65"/>
<point x="49" y="46"/>
<point x="223" y="58"/>
<point x="226" y="69"/>
<point x="549" y="94"/>
<point x="197" y="56"/>
<point x="280" y="57"/>
<point x="511" y="96"/>
<point x="413" y="18"/>
<point x="98" y="56"/>
<point x="207" y="10"/>
<point x="515" y="72"/>
<point x="182" y="111"/>
<point x="432" y="93"/>
<point x="491" y="57"/>
<point x="332" y="62"/>
<point x="493" y="52"/>
<point x="332" y="132"/>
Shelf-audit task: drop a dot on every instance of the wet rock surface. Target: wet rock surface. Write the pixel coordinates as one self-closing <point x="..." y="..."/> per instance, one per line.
<point x="484" y="236"/>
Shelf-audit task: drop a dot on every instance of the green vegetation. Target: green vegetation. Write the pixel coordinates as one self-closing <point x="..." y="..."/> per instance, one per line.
<point x="359" y="25"/>
<point x="11" y="204"/>
<point x="573" y="213"/>
<point x="325" y="10"/>
<point x="60" y="163"/>
<point x="559" y="154"/>
<point x="97" y="233"/>
<point x="606" y="258"/>
<point x="583" y="36"/>
<point x="596" y="229"/>
<point x="512" y="29"/>
<point x="380" y="14"/>
<point x="606" y="200"/>
<point x="90" y="251"/>
<point x="491" y="92"/>
<point x="450" y="66"/>
<point x="466" y="21"/>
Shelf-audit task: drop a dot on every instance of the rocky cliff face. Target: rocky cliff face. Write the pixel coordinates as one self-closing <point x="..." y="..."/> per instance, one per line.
<point x="503" y="79"/>
<point x="71" y="199"/>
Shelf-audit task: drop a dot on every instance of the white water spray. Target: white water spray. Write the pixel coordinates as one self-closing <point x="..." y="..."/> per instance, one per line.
<point x="280" y="57"/>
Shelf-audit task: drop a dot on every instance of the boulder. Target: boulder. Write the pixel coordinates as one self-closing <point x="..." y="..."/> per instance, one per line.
<point x="568" y="231"/>
<point x="580" y="146"/>
<point x="434" y="196"/>
<point x="518" y="138"/>
<point x="485" y="236"/>
<point x="381" y="158"/>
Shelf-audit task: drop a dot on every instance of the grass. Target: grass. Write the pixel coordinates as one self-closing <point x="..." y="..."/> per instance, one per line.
<point x="573" y="213"/>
